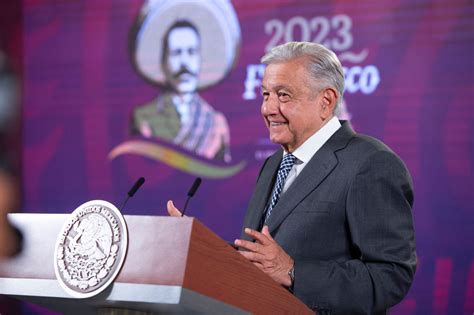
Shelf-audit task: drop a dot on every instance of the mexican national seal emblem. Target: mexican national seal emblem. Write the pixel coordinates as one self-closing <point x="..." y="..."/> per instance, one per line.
<point x="90" y="249"/>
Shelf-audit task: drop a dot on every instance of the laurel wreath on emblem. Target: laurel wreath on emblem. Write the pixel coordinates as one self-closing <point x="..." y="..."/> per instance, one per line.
<point x="90" y="249"/>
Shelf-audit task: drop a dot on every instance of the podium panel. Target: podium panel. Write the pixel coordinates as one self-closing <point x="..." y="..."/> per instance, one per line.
<point x="173" y="265"/>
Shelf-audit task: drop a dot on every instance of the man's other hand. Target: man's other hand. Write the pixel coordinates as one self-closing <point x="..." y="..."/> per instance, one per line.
<point x="172" y="210"/>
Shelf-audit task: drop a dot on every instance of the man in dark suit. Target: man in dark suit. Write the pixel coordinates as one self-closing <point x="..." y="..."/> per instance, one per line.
<point x="330" y="217"/>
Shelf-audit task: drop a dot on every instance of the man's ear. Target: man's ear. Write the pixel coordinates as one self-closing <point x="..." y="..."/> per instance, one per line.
<point x="328" y="103"/>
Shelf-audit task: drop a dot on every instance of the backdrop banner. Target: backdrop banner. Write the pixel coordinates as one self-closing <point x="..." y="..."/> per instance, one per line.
<point x="99" y="110"/>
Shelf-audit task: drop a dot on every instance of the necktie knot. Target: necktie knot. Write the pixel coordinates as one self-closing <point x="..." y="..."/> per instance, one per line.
<point x="287" y="161"/>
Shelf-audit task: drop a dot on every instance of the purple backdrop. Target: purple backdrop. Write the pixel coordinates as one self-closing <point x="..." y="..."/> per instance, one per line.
<point x="410" y="83"/>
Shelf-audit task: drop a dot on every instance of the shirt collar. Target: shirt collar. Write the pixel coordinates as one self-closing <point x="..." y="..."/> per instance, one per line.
<point x="305" y="152"/>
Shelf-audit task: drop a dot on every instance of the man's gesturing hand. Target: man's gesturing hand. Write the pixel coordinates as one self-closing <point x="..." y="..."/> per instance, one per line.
<point x="267" y="255"/>
<point x="172" y="210"/>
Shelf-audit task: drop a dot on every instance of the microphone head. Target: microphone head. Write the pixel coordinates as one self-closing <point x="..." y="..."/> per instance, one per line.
<point x="135" y="187"/>
<point x="194" y="187"/>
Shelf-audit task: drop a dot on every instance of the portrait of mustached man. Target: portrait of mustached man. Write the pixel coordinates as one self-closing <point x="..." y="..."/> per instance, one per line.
<point x="173" y="47"/>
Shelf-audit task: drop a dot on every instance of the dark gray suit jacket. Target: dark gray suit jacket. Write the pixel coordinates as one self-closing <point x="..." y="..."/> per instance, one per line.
<point x="346" y="221"/>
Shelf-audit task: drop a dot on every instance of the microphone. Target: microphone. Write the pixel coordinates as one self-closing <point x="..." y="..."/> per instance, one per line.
<point x="135" y="187"/>
<point x="133" y="190"/>
<point x="194" y="187"/>
<point x="191" y="192"/>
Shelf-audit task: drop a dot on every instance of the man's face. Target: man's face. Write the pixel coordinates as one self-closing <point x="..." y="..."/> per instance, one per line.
<point x="183" y="60"/>
<point x="292" y="107"/>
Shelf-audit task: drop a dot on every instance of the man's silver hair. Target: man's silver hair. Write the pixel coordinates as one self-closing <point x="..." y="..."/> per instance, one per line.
<point x="323" y="64"/>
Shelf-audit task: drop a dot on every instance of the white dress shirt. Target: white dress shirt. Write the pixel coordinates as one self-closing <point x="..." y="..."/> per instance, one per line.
<point x="305" y="152"/>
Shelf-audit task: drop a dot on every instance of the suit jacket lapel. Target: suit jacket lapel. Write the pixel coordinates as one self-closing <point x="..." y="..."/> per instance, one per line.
<point x="264" y="187"/>
<point x="318" y="168"/>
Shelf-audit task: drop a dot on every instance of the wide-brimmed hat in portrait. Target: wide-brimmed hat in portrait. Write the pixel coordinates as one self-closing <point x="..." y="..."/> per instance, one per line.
<point x="218" y="29"/>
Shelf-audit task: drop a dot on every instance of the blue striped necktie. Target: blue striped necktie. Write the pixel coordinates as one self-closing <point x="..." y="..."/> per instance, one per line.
<point x="285" y="166"/>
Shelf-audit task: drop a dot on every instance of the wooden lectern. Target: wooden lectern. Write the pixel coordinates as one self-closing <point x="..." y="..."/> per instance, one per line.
<point x="173" y="265"/>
